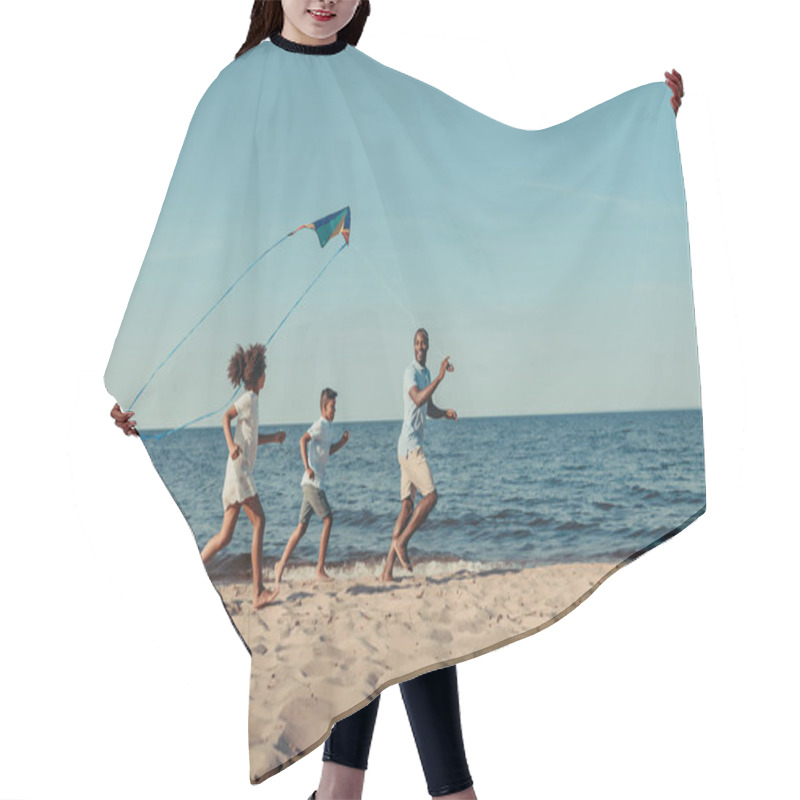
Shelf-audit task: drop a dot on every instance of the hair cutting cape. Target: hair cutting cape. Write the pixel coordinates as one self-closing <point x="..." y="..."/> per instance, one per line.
<point x="551" y="267"/>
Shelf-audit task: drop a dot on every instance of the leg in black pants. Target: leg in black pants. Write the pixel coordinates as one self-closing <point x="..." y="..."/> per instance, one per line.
<point x="431" y="702"/>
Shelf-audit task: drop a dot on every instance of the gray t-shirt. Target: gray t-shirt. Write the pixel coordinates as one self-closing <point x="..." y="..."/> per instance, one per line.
<point x="413" y="431"/>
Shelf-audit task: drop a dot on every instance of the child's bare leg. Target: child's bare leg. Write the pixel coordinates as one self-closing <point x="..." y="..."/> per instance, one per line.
<point x="223" y="538"/>
<point x="253" y="509"/>
<point x="296" y="536"/>
<point x="327" y="524"/>
<point x="424" y="507"/>
<point x="406" y="508"/>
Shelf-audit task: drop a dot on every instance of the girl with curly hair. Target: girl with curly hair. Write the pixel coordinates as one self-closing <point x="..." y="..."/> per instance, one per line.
<point x="239" y="490"/>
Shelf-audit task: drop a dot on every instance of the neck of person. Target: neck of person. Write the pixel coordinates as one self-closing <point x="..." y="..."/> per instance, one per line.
<point x="293" y="34"/>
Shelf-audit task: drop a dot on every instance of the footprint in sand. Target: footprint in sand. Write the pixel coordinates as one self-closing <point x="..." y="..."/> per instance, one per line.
<point x="366" y="644"/>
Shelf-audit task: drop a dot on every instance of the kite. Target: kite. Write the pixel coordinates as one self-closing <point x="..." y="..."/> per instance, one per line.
<point x="327" y="227"/>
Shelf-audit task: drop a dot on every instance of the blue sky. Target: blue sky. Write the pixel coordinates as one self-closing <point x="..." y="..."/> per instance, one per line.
<point x="552" y="266"/>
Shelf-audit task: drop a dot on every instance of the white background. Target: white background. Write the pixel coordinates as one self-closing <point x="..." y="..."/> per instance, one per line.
<point x="121" y="675"/>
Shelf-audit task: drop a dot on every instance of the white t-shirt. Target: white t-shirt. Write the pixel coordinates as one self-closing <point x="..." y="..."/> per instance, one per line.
<point x="319" y="449"/>
<point x="246" y="435"/>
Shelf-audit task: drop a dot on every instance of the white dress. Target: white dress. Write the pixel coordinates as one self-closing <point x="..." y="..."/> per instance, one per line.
<point x="239" y="483"/>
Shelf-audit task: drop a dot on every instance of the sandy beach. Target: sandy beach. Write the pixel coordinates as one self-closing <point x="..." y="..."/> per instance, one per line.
<point x="322" y="650"/>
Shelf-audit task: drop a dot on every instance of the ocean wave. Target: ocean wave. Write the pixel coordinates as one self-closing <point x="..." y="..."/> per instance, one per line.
<point x="572" y="525"/>
<point x="367" y="569"/>
<point x="649" y="494"/>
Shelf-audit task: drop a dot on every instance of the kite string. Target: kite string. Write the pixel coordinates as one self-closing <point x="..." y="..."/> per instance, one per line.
<point x="204" y="317"/>
<point x="156" y="437"/>
<point x="308" y="289"/>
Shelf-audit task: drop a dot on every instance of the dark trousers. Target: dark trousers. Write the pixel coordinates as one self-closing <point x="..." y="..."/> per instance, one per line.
<point x="431" y="702"/>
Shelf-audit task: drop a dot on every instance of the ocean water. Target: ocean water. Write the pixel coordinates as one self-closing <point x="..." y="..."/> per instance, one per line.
<point x="512" y="490"/>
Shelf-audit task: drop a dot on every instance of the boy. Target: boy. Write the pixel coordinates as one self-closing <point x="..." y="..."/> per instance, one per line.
<point x="315" y="448"/>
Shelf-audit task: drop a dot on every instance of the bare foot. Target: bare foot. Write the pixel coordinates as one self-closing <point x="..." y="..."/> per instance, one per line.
<point x="321" y="575"/>
<point x="402" y="556"/>
<point x="264" y="598"/>
<point x="387" y="577"/>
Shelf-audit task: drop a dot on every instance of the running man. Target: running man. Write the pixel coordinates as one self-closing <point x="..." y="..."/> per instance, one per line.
<point x="415" y="474"/>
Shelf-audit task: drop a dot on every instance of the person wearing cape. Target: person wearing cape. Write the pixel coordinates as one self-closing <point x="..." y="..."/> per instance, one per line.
<point x="555" y="265"/>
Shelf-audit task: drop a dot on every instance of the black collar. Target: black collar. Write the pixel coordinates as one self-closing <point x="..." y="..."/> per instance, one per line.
<point x="308" y="49"/>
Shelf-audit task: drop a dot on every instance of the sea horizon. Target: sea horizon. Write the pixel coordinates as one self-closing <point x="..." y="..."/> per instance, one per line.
<point x="399" y="419"/>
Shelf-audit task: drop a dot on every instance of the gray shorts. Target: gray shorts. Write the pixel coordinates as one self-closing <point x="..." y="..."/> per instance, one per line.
<point x="314" y="502"/>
